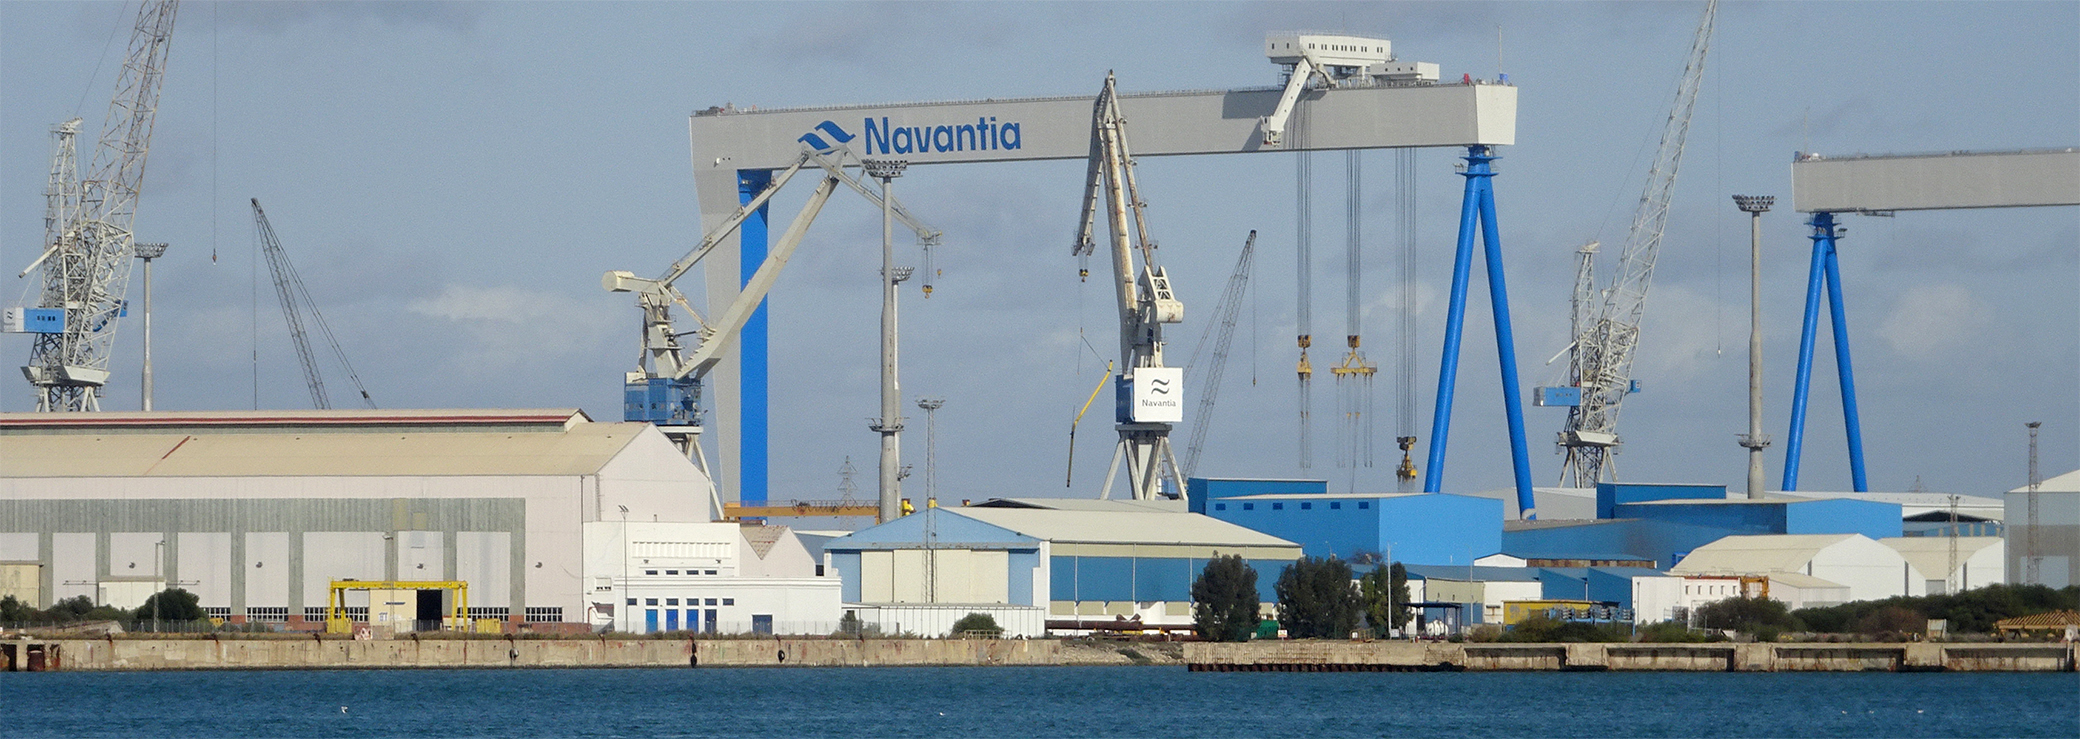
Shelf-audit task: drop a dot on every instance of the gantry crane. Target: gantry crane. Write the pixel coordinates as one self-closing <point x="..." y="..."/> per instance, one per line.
<point x="88" y="243"/>
<point x="1222" y="332"/>
<point x="665" y="387"/>
<point x="1606" y="338"/>
<point x="288" y="286"/>
<point x="1151" y="394"/>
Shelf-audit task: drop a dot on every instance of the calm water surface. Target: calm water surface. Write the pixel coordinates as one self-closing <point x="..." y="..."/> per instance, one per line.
<point x="1032" y="702"/>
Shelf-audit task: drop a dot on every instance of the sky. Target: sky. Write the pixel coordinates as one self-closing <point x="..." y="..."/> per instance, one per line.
<point x="452" y="179"/>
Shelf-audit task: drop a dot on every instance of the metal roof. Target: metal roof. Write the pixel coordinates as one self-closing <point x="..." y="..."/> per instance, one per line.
<point x="308" y="421"/>
<point x="1122" y="527"/>
<point x="1931" y="554"/>
<point x="1803" y="581"/>
<point x="1473" y="574"/>
<point x="1084" y="504"/>
<point x="1327" y="496"/>
<point x="1766" y="553"/>
<point x="2066" y="483"/>
<point x="581" y="449"/>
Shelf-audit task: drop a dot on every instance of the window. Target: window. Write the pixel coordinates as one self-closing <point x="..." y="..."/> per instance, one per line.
<point x="649" y="601"/>
<point x="1335" y="506"/>
<point x="711" y="601"/>
<point x="649" y="572"/>
<point x="267" y="614"/>
<point x="671" y="601"/>
<point x="631" y="601"/>
<point x="1220" y="506"/>
<point x="492" y="612"/>
<point x="729" y="601"/>
<point x="223" y="612"/>
<point x="1364" y="505"/>
<point x="671" y="572"/>
<point x="544" y="614"/>
<point x="1278" y="506"/>
<point x="1249" y="506"/>
<point x="1306" y="506"/>
<point x="711" y="572"/>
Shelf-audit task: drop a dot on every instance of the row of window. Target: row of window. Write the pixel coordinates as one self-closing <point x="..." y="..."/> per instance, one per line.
<point x="689" y="601"/>
<point x="675" y="572"/>
<point x="280" y="614"/>
<point x="1334" y="505"/>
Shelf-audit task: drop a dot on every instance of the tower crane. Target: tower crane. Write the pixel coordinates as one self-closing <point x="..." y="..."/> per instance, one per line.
<point x="1150" y="394"/>
<point x="88" y="243"/>
<point x="665" y="387"/>
<point x="288" y="286"/>
<point x="1606" y="333"/>
<point x="1222" y="331"/>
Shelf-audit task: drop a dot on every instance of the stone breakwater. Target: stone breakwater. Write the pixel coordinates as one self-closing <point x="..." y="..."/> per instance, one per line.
<point x="1267" y="656"/>
<point x="1303" y="656"/>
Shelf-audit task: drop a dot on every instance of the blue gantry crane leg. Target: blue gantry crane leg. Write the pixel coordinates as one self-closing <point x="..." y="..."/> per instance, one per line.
<point x="1477" y="210"/>
<point x="1825" y="273"/>
<point x="752" y="350"/>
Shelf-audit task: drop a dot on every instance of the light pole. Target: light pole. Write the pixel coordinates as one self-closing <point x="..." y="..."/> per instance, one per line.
<point x="158" y="573"/>
<point x="626" y="603"/>
<point x="890" y="424"/>
<point x="148" y="252"/>
<point x="931" y="408"/>
<point x="1754" y="440"/>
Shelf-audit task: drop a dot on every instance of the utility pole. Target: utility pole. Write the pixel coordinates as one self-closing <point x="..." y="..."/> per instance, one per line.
<point x="1754" y="440"/>
<point x="2032" y="558"/>
<point x="890" y="424"/>
<point x="148" y="252"/>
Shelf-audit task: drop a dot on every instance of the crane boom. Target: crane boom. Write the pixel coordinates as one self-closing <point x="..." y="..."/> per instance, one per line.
<point x="1222" y="332"/>
<point x="1606" y="346"/>
<point x="88" y="241"/>
<point x="289" y="288"/>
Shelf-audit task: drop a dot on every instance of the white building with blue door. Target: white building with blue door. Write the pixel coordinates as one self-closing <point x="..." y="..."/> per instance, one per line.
<point x="1035" y="570"/>
<point x="707" y="578"/>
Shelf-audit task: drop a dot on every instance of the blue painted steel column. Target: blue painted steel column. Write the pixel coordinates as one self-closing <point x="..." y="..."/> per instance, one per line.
<point x="1823" y="237"/>
<point x="753" y="427"/>
<point x="1454" y="324"/>
<point x="1850" y="422"/>
<point x="1505" y="340"/>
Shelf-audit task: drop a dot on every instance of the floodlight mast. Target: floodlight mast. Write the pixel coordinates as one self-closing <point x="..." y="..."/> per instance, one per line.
<point x="664" y="389"/>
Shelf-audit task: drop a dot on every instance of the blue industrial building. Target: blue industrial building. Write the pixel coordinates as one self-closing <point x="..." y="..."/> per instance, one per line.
<point x="1665" y="522"/>
<point x="1419" y="528"/>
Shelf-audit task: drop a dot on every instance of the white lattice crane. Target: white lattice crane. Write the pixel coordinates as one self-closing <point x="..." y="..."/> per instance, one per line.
<point x="1222" y="334"/>
<point x="1607" y="339"/>
<point x="87" y="229"/>
<point x="1152" y="393"/>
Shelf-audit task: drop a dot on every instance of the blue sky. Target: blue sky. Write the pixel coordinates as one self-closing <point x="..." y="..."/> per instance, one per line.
<point x="451" y="180"/>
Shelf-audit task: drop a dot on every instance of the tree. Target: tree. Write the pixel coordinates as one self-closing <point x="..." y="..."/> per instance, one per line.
<point x="1747" y="615"/>
<point x="171" y="604"/>
<point x="1224" y="600"/>
<point x="977" y="623"/>
<point x="1316" y="600"/>
<point x="1384" y="589"/>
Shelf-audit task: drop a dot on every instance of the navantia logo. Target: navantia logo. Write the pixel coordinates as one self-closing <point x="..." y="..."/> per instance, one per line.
<point x="985" y="134"/>
<point x="1159" y="387"/>
<point x="829" y="128"/>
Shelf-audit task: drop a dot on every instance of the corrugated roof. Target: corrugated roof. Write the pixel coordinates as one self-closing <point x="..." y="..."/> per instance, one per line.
<point x="2066" y="483"/>
<point x="184" y="422"/>
<point x="579" y="450"/>
<point x="1122" y="527"/>
<point x="1752" y="554"/>
<point x="1931" y="554"/>
<point x="2052" y="619"/>
<point x="1085" y="504"/>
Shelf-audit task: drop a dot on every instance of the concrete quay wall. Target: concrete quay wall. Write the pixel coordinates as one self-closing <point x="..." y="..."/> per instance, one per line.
<point x="1406" y="656"/>
<point x="208" y="654"/>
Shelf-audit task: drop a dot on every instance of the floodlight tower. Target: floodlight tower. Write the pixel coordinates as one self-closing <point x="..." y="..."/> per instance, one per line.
<point x="1754" y="440"/>
<point x="890" y="424"/>
<point x="931" y="408"/>
<point x="148" y="252"/>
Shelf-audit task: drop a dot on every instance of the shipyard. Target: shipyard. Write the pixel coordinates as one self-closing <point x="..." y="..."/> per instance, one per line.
<point x="704" y="362"/>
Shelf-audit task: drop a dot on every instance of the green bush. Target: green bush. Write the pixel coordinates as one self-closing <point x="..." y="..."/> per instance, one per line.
<point x="1541" y="629"/>
<point x="1224" y="600"/>
<point x="1382" y="589"/>
<point x="1969" y="612"/>
<point x="1746" y="615"/>
<point x="171" y="604"/>
<point x="977" y="623"/>
<point x="1670" y="632"/>
<point x="1316" y="600"/>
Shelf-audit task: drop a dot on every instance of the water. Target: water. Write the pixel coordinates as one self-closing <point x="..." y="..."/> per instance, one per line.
<point x="1032" y="702"/>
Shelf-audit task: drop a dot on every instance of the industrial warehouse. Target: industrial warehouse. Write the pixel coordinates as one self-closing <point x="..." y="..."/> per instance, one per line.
<point x="376" y="523"/>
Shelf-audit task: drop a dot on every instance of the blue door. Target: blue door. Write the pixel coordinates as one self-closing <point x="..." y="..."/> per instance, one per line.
<point x="710" y="625"/>
<point x="671" y="619"/>
<point x="693" y="620"/>
<point x="650" y="621"/>
<point x="762" y="624"/>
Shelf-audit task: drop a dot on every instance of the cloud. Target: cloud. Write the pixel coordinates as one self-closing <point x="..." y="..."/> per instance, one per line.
<point x="1930" y="319"/>
<point x="505" y="327"/>
<point x="277" y="17"/>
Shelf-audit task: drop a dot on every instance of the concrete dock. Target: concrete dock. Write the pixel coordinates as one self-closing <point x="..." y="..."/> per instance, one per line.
<point x="1313" y="656"/>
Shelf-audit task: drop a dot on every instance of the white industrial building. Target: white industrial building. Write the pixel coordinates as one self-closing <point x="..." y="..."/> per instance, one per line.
<point x="1944" y="564"/>
<point x="2050" y="537"/>
<point x="256" y="512"/>
<point x="1827" y="566"/>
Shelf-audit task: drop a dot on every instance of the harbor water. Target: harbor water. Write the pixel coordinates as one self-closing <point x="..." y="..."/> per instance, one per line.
<point x="1033" y="702"/>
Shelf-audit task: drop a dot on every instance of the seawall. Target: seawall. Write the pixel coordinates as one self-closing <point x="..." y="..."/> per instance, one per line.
<point x="1309" y="656"/>
<point x="211" y="654"/>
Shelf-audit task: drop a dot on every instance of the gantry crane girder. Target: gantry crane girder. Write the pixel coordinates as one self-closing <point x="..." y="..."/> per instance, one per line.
<point x="734" y="151"/>
<point x="87" y="240"/>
